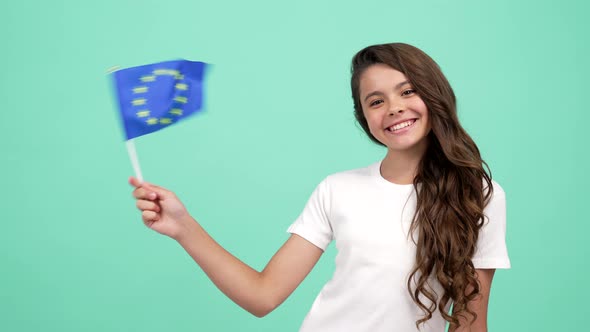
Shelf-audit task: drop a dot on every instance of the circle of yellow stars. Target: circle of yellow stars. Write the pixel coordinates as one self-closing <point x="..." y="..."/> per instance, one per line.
<point x="144" y="113"/>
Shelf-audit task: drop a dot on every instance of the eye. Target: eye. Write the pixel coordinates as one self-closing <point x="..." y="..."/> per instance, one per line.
<point x="376" y="102"/>
<point x="408" y="92"/>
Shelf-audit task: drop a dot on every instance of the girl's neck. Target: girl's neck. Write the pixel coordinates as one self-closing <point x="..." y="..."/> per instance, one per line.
<point x="400" y="166"/>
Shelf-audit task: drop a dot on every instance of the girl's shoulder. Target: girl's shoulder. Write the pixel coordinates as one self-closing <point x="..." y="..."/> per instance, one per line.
<point x="497" y="189"/>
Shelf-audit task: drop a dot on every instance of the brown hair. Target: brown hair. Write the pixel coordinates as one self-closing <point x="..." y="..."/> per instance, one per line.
<point x="451" y="183"/>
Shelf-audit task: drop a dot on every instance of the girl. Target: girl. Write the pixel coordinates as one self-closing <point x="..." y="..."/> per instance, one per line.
<point x="416" y="232"/>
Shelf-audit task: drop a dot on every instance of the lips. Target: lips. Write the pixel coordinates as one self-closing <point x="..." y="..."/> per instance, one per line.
<point x="400" y="125"/>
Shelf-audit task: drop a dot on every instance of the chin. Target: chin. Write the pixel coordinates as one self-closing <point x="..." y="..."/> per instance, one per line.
<point x="407" y="146"/>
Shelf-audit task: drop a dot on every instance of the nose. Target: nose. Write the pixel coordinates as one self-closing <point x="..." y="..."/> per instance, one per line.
<point x="395" y="109"/>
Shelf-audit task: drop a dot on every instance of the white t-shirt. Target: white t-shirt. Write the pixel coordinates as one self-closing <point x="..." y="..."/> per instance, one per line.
<point x="369" y="219"/>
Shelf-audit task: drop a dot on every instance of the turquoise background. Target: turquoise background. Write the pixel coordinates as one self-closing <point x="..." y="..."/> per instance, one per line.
<point x="74" y="255"/>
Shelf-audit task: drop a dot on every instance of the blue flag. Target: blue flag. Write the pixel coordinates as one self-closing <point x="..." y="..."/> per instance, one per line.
<point x="154" y="96"/>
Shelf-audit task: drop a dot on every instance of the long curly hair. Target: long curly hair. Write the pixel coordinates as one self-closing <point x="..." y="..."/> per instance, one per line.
<point x="451" y="184"/>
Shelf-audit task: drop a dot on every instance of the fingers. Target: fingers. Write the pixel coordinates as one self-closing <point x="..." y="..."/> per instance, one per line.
<point x="149" y="199"/>
<point x="144" y="205"/>
<point x="160" y="192"/>
<point x="150" y="216"/>
<point x="134" y="181"/>
<point x="149" y="210"/>
<point x="146" y="190"/>
<point x="144" y="193"/>
<point x="140" y="191"/>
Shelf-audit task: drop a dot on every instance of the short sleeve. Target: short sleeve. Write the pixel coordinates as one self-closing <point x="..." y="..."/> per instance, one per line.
<point x="313" y="224"/>
<point x="491" y="251"/>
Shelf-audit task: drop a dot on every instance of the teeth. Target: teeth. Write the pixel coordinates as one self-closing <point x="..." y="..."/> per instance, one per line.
<point x="402" y="125"/>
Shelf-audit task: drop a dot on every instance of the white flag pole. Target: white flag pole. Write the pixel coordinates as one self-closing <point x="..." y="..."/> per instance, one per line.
<point x="134" y="161"/>
<point x="130" y="144"/>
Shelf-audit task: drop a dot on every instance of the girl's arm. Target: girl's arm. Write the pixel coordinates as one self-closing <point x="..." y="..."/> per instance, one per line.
<point x="479" y="305"/>
<point x="257" y="292"/>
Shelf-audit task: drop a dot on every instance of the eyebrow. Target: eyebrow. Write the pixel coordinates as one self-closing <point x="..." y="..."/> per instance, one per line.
<point x="396" y="87"/>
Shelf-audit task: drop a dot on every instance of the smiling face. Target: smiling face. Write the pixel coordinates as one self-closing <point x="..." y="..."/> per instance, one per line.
<point x="396" y="115"/>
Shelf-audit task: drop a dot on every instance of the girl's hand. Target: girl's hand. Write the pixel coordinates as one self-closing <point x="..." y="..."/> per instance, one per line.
<point x="160" y="209"/>
<point x="257" y="292"/>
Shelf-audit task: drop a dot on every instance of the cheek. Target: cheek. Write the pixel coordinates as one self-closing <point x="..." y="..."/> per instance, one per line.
<point x="372" y="123"/>
<point x="421" y="108"/>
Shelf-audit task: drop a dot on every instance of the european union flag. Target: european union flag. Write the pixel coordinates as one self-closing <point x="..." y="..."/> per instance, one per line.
<point x="154" y="96"/>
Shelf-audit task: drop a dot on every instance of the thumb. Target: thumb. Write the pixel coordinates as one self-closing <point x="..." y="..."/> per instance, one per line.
<point x="162" y="193"/>
<point x="135" y="182"/>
